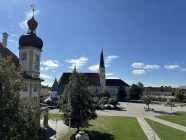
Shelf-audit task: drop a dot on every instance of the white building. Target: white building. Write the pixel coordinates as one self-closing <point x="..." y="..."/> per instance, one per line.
<point x="30" y="48"/>
<point x="44" y="91"/>
<point x="97" y="80"/>
<point x="159" y="93"/>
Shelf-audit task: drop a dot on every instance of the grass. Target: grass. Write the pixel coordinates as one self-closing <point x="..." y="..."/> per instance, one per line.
<point x="161" y="103"/>
<point x="167" y="133"/>
<point x="113" y="128"/>
<point x="181" y="120"/>
<point x="50" y="116"/>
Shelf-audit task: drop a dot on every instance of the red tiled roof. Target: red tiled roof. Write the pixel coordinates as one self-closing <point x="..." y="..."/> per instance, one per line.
<point x="5" y="52"/>
<point x="93" y="79"/>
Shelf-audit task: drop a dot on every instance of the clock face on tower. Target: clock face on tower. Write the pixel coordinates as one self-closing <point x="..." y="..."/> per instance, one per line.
<point x="36" y="64"/>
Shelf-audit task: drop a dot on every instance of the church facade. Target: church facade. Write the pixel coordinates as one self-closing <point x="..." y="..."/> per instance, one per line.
<point x="30" y="48"/>
<point x="97" y="81"/>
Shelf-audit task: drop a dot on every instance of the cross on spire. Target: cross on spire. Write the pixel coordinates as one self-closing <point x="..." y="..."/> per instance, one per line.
<point x="33" y="9"/>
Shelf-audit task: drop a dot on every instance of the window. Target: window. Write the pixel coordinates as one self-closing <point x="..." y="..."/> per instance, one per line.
<point x="25" y="87"/>
<point x="35" y="87"/>
<point x="36" y="67"/>
<point x="23" y="56"/>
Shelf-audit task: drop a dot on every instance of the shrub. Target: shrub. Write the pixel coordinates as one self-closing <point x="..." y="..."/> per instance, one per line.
<point x="113" y="101"/>
<point x="103" y="100"/>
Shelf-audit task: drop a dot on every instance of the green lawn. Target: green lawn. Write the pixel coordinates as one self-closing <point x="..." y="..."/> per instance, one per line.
<point x="158" y="103"/>
<point x="50" y="116"/>
<point x="167" y="133"/>
<point x="175" y="119"/>
<point x="113" y="128"/>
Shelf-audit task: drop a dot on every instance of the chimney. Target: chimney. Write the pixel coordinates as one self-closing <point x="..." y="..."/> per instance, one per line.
<point x="5" y="38"/>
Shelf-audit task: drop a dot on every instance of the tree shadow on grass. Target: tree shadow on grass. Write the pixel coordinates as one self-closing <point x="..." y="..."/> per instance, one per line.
<point x="95" y="135"/>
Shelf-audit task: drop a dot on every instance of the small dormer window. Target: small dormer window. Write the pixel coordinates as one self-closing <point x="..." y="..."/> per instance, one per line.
<point x="23" y="56"/>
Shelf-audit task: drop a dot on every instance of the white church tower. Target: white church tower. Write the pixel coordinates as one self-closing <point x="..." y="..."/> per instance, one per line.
<point x="102" y="72"/>
<point x="30" y="48"/>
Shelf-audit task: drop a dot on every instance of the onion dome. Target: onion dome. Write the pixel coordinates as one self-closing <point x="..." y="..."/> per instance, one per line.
<point x="31" y="39"/>
<point x="32" y="24"/>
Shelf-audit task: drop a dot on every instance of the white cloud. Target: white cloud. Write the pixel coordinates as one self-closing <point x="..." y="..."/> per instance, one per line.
<point x="14" y="35"/>
<point x="49" y="64"/>
<point x="109" y="74"/>
<point x="139" y="72"/>
<point x="28" y="15"/>
<point x="172" y="67"/>
<point x="183" y="69"/>
<point x="149" y="70"/>
<point x="12" y="41"/>
<point x="138" y="65"/>
<point x="152" y="67"/>
<point x="94" y="67"/>
<point x="79" y="62"/>
<point x="113" y="77"/>
<point x="44" y="76"/>
<point x="110" y="58"/>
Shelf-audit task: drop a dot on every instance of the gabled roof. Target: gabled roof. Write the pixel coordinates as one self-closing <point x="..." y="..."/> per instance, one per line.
<point x="5" y="52"/>
<point x="115" y="82"/>
<point x="93" y="79"/>
<point x="55" y="86"/>
<point x="157" y="89"/>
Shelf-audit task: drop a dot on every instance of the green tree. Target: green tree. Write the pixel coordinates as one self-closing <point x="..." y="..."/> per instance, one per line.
<point x="140" y="85"/>
<point x="121" y="93"/>
<point x="78" y="102"/>
<point x="179" y="94"/>
<point x="113" y="101"/>
<point x="103" y="100"/>
<point x="105" y="93"/>
<point x="16" y="115"/>
<point x="135" y="92"/>
<point x="146" y="98"/>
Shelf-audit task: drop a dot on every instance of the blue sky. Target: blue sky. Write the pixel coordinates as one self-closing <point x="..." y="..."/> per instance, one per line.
<point x="143" y="40"/>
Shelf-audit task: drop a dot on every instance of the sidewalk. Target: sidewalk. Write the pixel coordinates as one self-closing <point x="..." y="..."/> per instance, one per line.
<point x="56" y="129"/>
<point x="177" y="126"/>
<point x="149" y="132"/>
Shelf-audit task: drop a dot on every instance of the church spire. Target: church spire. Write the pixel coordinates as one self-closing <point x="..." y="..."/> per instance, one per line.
<point x="55" y="85"/>
<point x="102" y="64"/>
<point x="74" y="68"/>
<point x="32" y="23"/>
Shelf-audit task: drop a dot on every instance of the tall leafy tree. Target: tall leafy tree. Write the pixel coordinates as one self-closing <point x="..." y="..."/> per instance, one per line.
<point x="146" y="98"/>
<point x="105" y="93"/>
<point x="140" y="85"/>
<point x="179" y="94"/>
<point x="135" y="92"/>
<point x="16" y="116"/>
<point x="121" y="93"/>
<point x="78" y="102"/>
